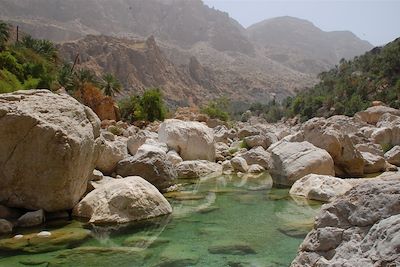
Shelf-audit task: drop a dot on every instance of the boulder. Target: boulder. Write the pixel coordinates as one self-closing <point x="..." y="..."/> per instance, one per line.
<point x="96" y="176"/>
<point x="198" y="169"/>
<point x="48" y="149"/>
<point x="192" y="140"/>
<point x="6" y="227"/>
<point x="174" y="157"/>
<point x="373" y="163"/>
<point x="258" y="156"/>
<point x="239" y="164"/>
<point x="255" y="168"/>
<point x="110" y="153"/>
<point x="138" y="139"/>
<point x="263" y="140"/>
<point x="151" y="163"/>
<point x="333" y="135"/>
<point x="320" y="187"/>
<point x="30" y="219"/>
<point x="123" y="201"/>
<point x="393" y="156"/>
<point x="248" y="131"/>
<point x="9" y="213"/>
<point x="373" y="114"/>
<point x="360" y="228"/>
<point x="292" y="161"/>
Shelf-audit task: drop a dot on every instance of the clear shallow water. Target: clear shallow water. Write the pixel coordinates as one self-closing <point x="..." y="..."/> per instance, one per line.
<point x="223" y="221"/>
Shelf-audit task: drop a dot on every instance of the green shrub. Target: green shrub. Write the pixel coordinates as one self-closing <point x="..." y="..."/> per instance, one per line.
<point x="217" y="109"/>
<point x="386" y="147"/>
<point x="9" y="82"/>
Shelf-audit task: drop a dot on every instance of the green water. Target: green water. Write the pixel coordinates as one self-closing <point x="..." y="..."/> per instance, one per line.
<point x="223" y="221"/>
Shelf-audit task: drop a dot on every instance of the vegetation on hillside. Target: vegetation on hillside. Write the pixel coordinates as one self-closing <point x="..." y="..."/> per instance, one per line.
<point x="219" y="108"/>
<point x="149" y="107"/>
<point x="348" y="88"/>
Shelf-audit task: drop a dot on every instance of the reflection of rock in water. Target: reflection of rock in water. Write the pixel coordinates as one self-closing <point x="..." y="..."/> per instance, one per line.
<point x="148" y="229"/>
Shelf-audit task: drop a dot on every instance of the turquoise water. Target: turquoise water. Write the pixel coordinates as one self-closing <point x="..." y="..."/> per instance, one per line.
<point x="222" y="221"/>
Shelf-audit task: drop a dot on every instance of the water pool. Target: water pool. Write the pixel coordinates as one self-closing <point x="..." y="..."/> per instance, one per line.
<point x="221" y="221"/>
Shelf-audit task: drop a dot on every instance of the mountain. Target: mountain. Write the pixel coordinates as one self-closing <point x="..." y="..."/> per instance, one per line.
<point x="350" y="87"/>
<point x="300" y="45"/>
<point x="230" y="60"/>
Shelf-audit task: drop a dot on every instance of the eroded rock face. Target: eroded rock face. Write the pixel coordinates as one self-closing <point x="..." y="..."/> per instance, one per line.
<point x="360" y="228"/>
<point x="292" y="161"/>
<point x="192" y="140"/>
<point x="121" y="201"/>
<point x="320" y="187"/>
<point x="151" y="163"/>
<point x="48" y="151"/>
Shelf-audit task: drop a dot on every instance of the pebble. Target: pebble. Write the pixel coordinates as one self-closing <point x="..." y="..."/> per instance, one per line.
<point x="44" y="234"/>
<point x="18" y="236"/>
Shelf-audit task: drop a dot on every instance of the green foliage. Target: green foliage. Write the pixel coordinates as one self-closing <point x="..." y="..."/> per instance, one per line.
<point x="110" y="85"/>
<point x="4" y="34"/>
<point x="217" y="109"/>
<point x="44" y="48"/>
<point x="149" y="107"/>
<point x="348" y="88"/>
<point x="9" y="82"/>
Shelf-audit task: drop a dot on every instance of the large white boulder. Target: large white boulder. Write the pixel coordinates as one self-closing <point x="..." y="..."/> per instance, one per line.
<point x="151" y="163"/>
<point x="292" y="161"/>
<point x="192" y="140"/>
<point x="110" y="153"/>
<point x="320" y="187"/>
<point x="123" y="201"/>
<point x="47" y="149"/>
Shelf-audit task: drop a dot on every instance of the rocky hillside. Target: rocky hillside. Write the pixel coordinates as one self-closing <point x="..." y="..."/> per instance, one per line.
<point x="236" y="61"/>
<point x="300" y="45"/>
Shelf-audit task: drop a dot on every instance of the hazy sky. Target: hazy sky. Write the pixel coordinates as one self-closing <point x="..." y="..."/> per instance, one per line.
<point x="375" y="21"/>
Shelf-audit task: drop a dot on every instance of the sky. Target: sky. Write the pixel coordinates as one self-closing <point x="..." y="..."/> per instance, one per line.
<point x="375" y="21"/>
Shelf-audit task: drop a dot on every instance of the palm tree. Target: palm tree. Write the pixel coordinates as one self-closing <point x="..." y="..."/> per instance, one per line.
<point x="110" y="85"/>
<point x="4" y="34"/>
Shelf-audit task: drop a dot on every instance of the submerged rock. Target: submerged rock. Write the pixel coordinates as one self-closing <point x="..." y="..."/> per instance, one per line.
<point x="121" y="201"/>
<point x="292" y="161"/>
<point x="231" y="247"/>
<point x="47" y="144"/>
<point x="177" y="256"/>
<point x="192" y="140"/>
<point x="66" y="237"/>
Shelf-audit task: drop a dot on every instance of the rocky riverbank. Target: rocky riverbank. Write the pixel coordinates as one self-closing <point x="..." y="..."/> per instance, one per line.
<point x="58" y="160"/>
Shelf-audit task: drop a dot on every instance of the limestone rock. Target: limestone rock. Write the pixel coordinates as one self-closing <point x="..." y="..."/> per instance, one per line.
<point x="320" y="187"/>
<point x="151" y="163"/>
<point x="258" y="156"/>
<point x="30" y="219"/>
<point x="263" y="140"/>
<point x="138" y="139"/>
<point x="373" y="114"/>
<point x="110" y="153"/>
<point x="393" y="156"/>
<point x="292" y="161"/>
<point x="192" y="140"/>
<point x="174" y="157"/>
<point x="255" y="168"/>
<point x="96" y="176"/>
<point x="122" y="201"/>
<point x="360" y="228"/>
<point x="198" y="169"/>
<point x="239" y="164"/>
<point x="47" y="144"/>
<point x="373" y="163"/>
<point x="330" y="134"/>
<point x="248" y="131"/>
